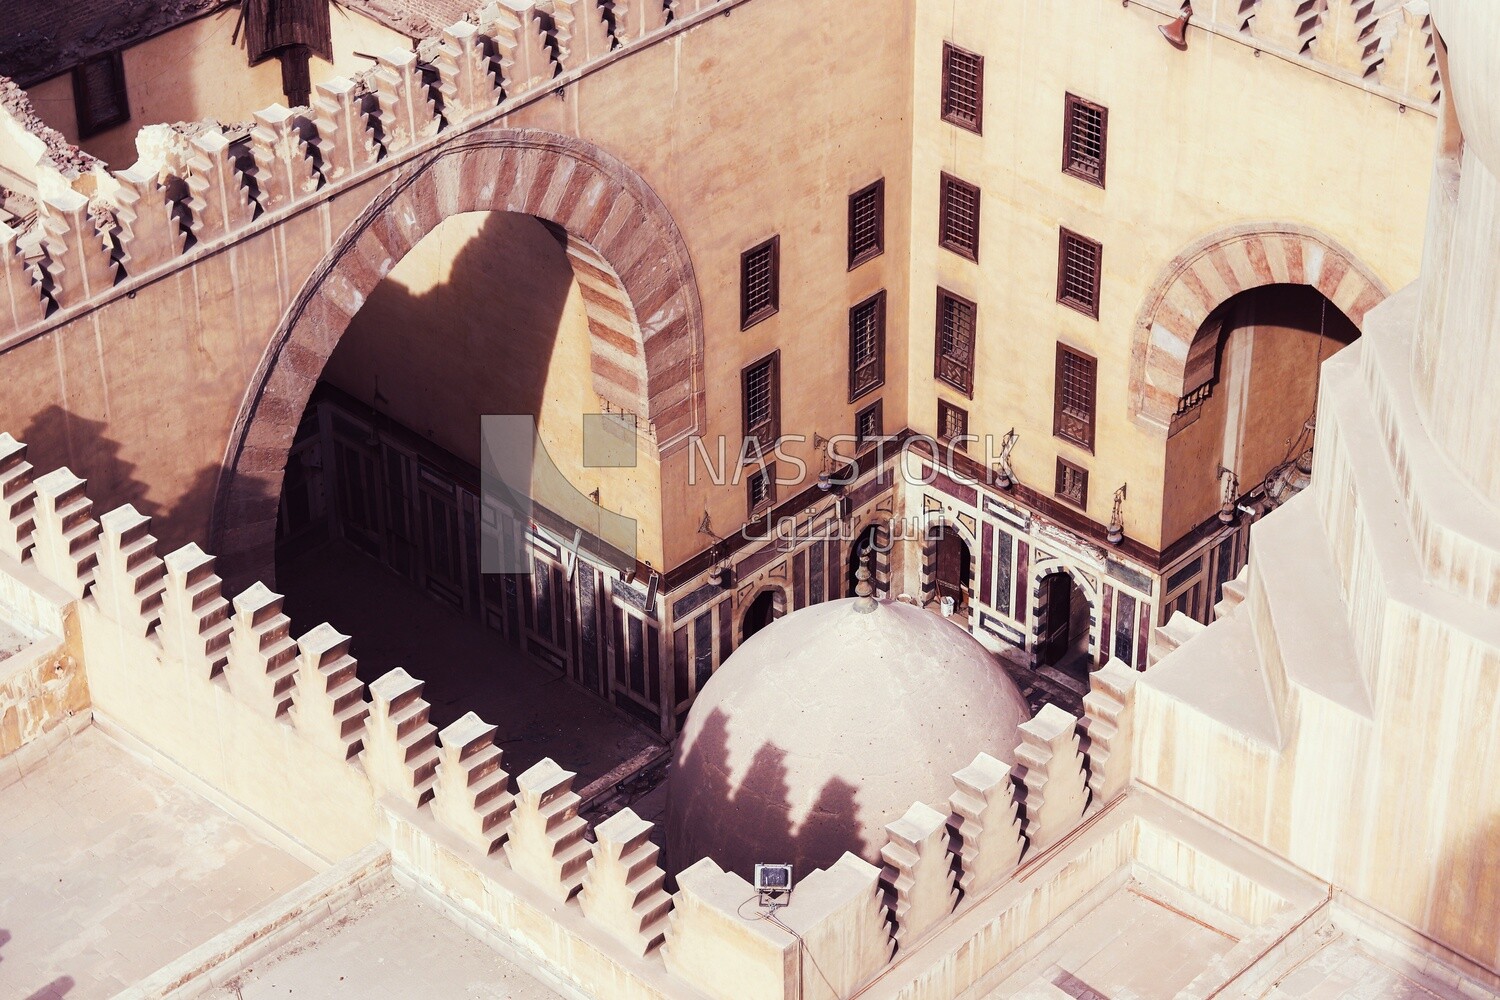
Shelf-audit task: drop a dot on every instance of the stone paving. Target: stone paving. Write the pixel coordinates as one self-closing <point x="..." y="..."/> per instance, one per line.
<point x="1129" y="946"/>
<point x="1345" y="969"/>
<point x="393" y="943"/>
<point x="466" y="667"/>
<point x="111" y="870"/>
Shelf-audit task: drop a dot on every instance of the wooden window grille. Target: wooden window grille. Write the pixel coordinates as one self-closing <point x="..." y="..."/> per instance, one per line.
<point x="866" y="223"/>
<point x="963" y="88"/>
<point x="1073" y="398"/>
<point x="958" y="217"/>
<point x="762" y="394"/>
<point x="1072" y="483"/>
<point x="1078" y="264"/>
<point x="760" y="282"/>
<point x="953" y="424"/>
<point x="869" y="424"/>
<point x="760" y="489"/>
<point x="954" y="340"/>
<point x="1085" y="139"/>
<point x="99" y="94"/>
<point x="867" y="346"/>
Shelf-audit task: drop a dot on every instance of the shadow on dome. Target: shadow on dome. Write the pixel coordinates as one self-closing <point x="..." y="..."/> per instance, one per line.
<point x="753" y="822"/>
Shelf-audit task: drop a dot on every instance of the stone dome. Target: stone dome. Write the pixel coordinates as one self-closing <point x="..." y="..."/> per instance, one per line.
<point x="825" y="726"/>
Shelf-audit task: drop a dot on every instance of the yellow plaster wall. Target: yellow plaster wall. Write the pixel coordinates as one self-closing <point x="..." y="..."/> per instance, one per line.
<point x="484" y="317"/>
<point x="1274" y="332"/>
<point x="1198" y="141"/>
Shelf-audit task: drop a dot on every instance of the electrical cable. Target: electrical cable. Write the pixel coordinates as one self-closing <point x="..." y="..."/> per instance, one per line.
<point x="803" y="952"/>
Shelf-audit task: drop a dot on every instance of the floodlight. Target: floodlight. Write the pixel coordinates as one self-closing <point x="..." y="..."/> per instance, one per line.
<point x="774" y="883"/>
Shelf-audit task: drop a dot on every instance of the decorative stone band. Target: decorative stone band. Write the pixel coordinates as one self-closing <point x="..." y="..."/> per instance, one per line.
<point x="849" y="918"/>
<point x="138" y="221"/>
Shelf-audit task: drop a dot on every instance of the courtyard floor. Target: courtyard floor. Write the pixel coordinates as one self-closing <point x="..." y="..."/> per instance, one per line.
<point x="466" y="667"/>
<point x="394" y="943"/>
<point x="112" y="869"/>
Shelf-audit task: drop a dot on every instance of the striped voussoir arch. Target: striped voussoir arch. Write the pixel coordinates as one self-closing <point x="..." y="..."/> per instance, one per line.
<point x="1172" y="353"/>
<point x="632" y="267"/>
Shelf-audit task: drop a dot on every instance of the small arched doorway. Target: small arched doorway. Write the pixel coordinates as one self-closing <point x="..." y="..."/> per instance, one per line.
<point x="863" y="546"/>
<point x="760" y="613"/>
<point x="953" y="566"/>
<point x="1063" y="639"/>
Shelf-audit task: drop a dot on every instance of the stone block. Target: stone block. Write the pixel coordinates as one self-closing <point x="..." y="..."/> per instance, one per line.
<point x="1109" y="722"/>
<point x="400" y="753"/>
<point x="17" y="500"/>
<point x="1050" y="766"/>
<point x="329" y="708"/>
<point x="262" y="665"/>
<point x="67" y="535"/>
<point x="918" y="877"/>
<point x="622" y="887"/>
<point x="131" y="576"/>
<point x="984" y="818"/>
<point x="546" y="844"/>
<point x="472" y="795"/>
<point x="194" y="625"/>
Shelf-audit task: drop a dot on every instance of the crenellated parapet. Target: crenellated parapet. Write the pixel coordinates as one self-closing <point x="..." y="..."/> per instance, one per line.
<point x="1387" y="46"/>
<point x="298" y="704"/>
<point x="622" y="886"/>
<point x="17" y="500"/>
<point x="546" y="833"/>
<point x="512" y="52"/>
<point x="400" y="754"/>
<point x="472" y="794"/>
<point x="985" y="823"/>
<point x="919" y="872"/>
<point x="131" y="577"/>
<point x="1052" y="769"/>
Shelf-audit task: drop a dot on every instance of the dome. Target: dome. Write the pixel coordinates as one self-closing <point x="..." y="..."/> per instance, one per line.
<point x="825" y="726"/>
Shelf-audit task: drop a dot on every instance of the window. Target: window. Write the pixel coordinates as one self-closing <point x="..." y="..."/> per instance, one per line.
<point x="762" y="391"/>
<point x="963" y="87"/>
<point x="760" y="489"/>
<point x="1073" y="397"/>
<point x="866" y="223"/>
<point x="99" y="94"/>
<point x="760" y="282"/>
<point x="867" y="346"/>
<point x="1085" y="137"/>
<point x="958" y="217"/>
<point x="1078" y="261"/>
<point x="868" y="424"/>
<point x="953" y="424"/>
<point x="955" y="342"/>
<point x="1072" y="483"/>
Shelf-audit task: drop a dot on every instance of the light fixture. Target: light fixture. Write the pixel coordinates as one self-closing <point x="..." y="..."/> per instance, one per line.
<point x="1231" y="495"/>
<point x="1005" y="476"/>
<point x="1116" y="533"/>
<point x="825" y="475"/>
<point x="1176" y="32"/>
<point x="774" y="884"/>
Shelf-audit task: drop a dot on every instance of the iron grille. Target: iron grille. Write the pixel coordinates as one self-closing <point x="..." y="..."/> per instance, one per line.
<point x="1078" y="273"/>
<point x="963" y="87"/>
<point x="959" y="217"/>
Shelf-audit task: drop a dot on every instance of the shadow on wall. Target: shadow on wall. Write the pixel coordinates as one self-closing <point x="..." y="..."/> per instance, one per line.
<point x="753" y="823"/>
<point x="466" y="324"/>
<point x="56" y="437"/>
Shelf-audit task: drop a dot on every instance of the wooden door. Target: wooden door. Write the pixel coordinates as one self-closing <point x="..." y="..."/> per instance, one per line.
<point x="358" y="478"/>
<point x="1059" y="614"/>
<point x="444" y="561"/>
